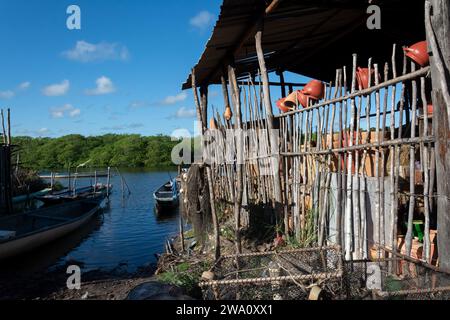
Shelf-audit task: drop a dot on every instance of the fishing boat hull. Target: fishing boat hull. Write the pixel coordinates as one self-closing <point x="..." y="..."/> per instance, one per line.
<point x="166" y="196"/>
<point x="69" y="196"/>
<point x="61" y="220"/>
<point x="25" y="197"/>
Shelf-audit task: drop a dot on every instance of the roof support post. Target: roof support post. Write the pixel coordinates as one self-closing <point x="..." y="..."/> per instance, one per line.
<point x="437" y="22"/>
<point x="274" y="141"/>
<point x="204" y="104"/>
<point x="201" y="107"/>
<point x="239" y="143"/>
<point x="282" y="83"/>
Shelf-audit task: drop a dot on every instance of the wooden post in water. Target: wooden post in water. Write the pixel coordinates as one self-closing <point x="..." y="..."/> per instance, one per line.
<point x="108" y="179"/>
<point x="69" y="184"/>
<point x="95" y="180"/>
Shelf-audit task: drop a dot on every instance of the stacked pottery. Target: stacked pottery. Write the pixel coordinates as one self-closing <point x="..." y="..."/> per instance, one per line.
<point x="314" y="90"/>
<point x="295" y="99"/>
<point x="418" y="52"/>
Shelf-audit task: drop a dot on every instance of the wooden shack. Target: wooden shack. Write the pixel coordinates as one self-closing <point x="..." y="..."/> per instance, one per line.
<point x="364" y="166"/>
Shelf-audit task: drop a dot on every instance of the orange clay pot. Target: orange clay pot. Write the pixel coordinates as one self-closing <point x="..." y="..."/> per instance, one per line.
<point x="430" y="109"/>
<point x="297" y="98"/>
<point x="228" y="114"/>
<point x="282" y="106"/>
<point x="362" y="76"/>
<point x="418" y="52"/>
<point x="315" y="89"/>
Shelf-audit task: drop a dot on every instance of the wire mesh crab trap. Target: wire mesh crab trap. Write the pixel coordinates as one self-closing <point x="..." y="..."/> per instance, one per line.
<point x="286" y="275"/>
<point x="395" y="278"/>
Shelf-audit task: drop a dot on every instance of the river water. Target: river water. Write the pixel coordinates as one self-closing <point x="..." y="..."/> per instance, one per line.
<point x="128" y="231"/>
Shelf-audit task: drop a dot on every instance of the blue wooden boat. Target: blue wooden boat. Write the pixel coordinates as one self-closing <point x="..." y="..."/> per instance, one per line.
<point x="167" y="195"/>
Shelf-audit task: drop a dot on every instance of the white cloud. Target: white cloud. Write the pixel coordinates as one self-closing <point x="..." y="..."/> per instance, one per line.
<point x="174" y="99"/>
<point x="8" y="94"/>
<point x="202" y="20"/>
<point x="88" y="52"/>
<point x="123" y="127"/>
<point x="24" y="85"/>
<point x="104" y="86"/>
<point x="65" y="110"/>
<point x="43" y="131"/>
<point x="184" y="113"/>
<point x="58" y="89"/>
<point x="138" y="104"/>
<point x="74" y="113"/>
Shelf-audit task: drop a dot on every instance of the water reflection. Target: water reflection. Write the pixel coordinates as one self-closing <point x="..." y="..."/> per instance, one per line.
<point x="128" y="231"/>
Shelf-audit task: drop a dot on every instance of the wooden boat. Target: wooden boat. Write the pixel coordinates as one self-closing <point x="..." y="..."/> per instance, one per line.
<point x="26" y="231"/>
<point x="25" y="197"/>
<point x="70" y="195"/>
<point x="167" y="194"/>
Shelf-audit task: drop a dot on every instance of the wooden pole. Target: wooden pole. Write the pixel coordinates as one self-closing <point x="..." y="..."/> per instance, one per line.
<point x="349" y="244"/>
<point x="9" y="126"/>
<point x="282" y="83"/>
<point x="3" y="127"/>
<point x="235" y="94"/>
<point x="270" y="122"/>
<point x="412" y="162"/>
<point x="202" y="123"/>
<point x="108" y="179"/>
<point x="437" y="22"/>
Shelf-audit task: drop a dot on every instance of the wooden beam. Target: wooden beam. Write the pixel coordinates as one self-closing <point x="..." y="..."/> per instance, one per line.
<point x="277" y="84"/>
<point x="437" y="21"/>
<point x="249" y="30"/>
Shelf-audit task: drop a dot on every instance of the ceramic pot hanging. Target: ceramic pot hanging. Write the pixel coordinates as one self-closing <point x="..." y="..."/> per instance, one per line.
<point x="297" y="98"/>
<point x="362" y="77"/>
<point x="303" y="99"/>
<point x="314" y="89"/>
<point x="228" y="114"/>
<point x="281" y="105"/>
<point x="418" y="52"/>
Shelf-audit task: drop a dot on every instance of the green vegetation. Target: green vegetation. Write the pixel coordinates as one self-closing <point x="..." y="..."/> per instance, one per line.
<point x="186" y="276"/>
<point x="108" y="150"/>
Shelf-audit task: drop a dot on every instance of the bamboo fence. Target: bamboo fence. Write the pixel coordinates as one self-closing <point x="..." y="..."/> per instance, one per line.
<point x="344" y="167"/>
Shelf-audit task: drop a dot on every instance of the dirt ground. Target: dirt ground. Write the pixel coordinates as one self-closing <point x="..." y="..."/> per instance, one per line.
<point x="51" y="285"/>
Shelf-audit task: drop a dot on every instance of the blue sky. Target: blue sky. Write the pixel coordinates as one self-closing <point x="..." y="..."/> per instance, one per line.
<point x="121" y="73"/>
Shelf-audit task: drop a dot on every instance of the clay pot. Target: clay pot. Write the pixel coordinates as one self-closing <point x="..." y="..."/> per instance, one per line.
<point x="430" y="109"/>
<point x="304" y="99"/>
<point x="282" y="106"/>
<point x="362" y="76"/>
<point x="315" y="89"/>
<point x="213" y="124"/>
<point x="418" y="52"/>
<point x="228" y="114"/>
